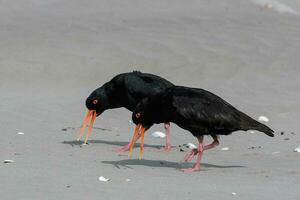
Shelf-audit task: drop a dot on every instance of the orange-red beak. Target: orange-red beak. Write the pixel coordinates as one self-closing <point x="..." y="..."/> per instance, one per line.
<point x="139" y="129"/>
<point x="91" y="115"/>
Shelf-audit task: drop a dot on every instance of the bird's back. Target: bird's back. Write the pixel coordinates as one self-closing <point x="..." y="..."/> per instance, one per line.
<point x="202" y="111"/>
<point x="134" y="86"/>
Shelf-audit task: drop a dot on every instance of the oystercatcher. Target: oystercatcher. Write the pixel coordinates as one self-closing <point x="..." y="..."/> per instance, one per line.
<point x="124" y="90"/>
<point x="196" y="110"/>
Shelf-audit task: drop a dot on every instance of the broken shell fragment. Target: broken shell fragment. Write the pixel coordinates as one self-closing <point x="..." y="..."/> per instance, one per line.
<point x="158" y="134"/>
<point x="103" y="179"/>
<point x="8" y="161"/>
<point x="263" y="119"/>
<point x="225" y="149"/>
<point x="191" y="146"/>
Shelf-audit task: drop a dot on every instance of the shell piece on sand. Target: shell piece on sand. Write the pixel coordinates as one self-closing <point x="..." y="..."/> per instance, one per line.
<point x="263" y="119"/>
<point x="297" y="149"/>
<point x="225" y="149"/>
<point x="8" y="161"/>
<point x="191" y="146"/>
<point x="158" y="134"/>
<point x="233" y="193"/>
<point x="103" y="179"/>
<point x="21" y="133"/>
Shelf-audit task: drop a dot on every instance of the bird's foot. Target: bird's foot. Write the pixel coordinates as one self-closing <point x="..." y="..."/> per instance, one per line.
<point x="168" y="148"/>
<point x="164" y="149"/>
<point x="189" y="157"/>
<point x="189" y="170"/>
<point x="122" y="149"/>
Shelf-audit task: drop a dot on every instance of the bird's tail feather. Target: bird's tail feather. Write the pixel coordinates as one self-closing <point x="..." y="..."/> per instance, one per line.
<point x="251" y="124"/>
<point x="263" y="128"/>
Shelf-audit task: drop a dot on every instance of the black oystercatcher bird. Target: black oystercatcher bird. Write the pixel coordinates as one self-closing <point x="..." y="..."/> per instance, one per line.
<point x="124" y="90"/>
<point x="196" y="110"/>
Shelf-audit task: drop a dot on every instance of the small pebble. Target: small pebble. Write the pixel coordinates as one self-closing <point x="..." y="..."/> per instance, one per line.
<point x="263" y="119"/>
<point x="64" y="129"/>
<point x="181" y="150"/>
<point x="233" y="193"/>
<point x="21" y="133"/>
<point x="8" y="161"/>
<point x="286" y="138"/>
<point x="281" y="133"/>
<point x="225" y="149"/>
<point x="128" y="179"/>
<point x="253" y="147"/>
<point x="103" y="179"/>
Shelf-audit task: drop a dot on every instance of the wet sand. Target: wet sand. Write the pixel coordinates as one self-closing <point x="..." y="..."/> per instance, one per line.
<point x="54" y="53"/>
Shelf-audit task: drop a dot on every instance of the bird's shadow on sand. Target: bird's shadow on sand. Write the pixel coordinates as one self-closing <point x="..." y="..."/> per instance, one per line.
<point x="116" y="143"/>
<point x="127" y="163"/>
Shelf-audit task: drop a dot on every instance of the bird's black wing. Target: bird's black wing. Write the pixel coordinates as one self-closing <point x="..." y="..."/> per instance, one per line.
<point x="209" y="111"/>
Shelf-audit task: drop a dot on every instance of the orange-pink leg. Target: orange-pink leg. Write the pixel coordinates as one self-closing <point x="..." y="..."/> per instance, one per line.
<point x="200" y="153"/>
<point x="168" y="141"/>
<point x="190" y="155"/>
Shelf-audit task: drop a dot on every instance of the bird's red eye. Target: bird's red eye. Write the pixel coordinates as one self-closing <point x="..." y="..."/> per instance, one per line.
<point x="138" y="115"/>
<point x="95" y="101"/>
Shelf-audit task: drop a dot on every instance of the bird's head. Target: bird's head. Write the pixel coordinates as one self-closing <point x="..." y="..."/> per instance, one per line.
<point x="145" y="113"/>
<point x="97" y="101"/>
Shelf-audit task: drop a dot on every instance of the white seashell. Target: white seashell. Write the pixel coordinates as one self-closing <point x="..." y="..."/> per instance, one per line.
<point x="263" y="119"/>
<point x="191" y="146"/>
<point x="225" y="149"/>
<point x="158" y="134"/>
<point x="128" y="179"/>
<point x="297" y="150"/>
<point x="103" y="179"/>
<point x="21" y="133"/>
<point x="8" y="161"/>
<point x="233" y="193"/>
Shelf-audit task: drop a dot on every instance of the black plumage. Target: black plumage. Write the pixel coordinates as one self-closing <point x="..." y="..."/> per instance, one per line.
<point x="196" y="110"/>
<point x="125" y="90"/>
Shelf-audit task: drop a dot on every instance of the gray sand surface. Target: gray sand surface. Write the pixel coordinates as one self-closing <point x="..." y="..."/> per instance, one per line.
<point x="53" y="53"/>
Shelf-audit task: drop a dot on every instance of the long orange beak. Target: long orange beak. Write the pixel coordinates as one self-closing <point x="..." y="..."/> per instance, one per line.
<point x="90" y="115"/>
<point x="139" y="129"/>
<point x="94" y="115"/>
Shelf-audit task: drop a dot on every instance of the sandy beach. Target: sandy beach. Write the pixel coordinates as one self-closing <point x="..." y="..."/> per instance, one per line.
<point x="53" y="53"/>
